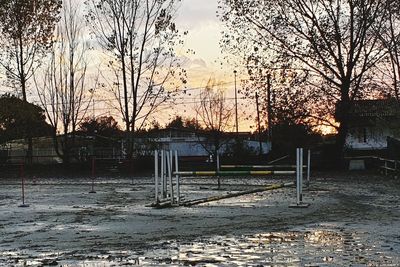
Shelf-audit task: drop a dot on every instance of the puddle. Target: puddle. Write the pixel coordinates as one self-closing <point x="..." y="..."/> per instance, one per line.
<point x="293" y="248"/>
<point x="311" y="247"/>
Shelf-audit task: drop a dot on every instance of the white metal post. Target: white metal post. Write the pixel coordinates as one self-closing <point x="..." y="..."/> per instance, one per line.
<point x="169" y="164"/>
<point x="165" y="175"/>
<point x="178" y="190"/>
<point x="301" y="174"/>
<point x="156" y="174"/>
<point x="298" y="167"/>
<point x="162" y="174"/>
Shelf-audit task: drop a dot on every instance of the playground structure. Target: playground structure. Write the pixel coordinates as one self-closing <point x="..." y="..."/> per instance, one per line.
<point x="167" y="178"/>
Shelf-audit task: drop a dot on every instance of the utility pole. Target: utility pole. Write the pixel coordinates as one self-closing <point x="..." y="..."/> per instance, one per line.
<point x="258" y="124"/>
<point x="236" y="106"/>
<point x="92" y="92"/>
<point x="269" y="108"/>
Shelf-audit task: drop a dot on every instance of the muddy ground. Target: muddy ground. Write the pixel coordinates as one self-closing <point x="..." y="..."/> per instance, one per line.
<point x="353" y="219"/>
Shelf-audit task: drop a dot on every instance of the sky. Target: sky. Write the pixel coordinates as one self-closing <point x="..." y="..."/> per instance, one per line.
<point x="199" y="18"/>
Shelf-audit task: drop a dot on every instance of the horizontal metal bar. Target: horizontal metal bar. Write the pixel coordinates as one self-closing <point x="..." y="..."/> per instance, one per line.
<point x="228" y="173"/>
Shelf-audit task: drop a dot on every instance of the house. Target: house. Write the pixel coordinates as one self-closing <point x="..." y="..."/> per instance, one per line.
<point x="371" y="122"/>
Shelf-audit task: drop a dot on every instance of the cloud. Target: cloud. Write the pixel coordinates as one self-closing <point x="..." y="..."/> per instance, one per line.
<point x="193" y="14"/>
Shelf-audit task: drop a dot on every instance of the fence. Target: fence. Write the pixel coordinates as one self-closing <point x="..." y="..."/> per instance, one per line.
<point x="387" y="166"/>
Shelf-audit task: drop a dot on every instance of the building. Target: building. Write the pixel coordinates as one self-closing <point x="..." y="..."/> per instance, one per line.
<point x="193" y="144"/>
<point x="188" y="143"/>
<point x="371" y="122"/>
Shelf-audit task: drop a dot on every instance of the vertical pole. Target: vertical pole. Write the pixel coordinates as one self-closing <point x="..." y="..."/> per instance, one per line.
<point x="178" y="190"/>
<point x="219" y="178"/>
<point x="23" y="184"/>
<point x="236" y="106"/>
<point x="218" y="164"/>
<point x="298" y="176"/>
<point x="301" y="175"/>
<point x="386" y="170"/>
<point x="269" y="108"/>
<point x="308" y="166"/>
<point x="258" y="124"/>
<point x="165" y="193"/>
<point x="162" y="174"/>
<point x="93" y="174"/>
<point x="169" y="164"/>
<point x="21" y="173"/>
<point x="156" y="174"/>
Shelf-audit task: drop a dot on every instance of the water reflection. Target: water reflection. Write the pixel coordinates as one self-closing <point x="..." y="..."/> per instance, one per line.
<point x="309" y="247"/>
<point x="319" y="247"/>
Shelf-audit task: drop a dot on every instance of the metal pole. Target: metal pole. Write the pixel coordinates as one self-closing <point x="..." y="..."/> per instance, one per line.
<point x="156" y="174"/>
<point x="162" y="174"/>
<point x="218" y="170"/>
<point x="236" y="105"/>
<point x="298" y="176"/>
<point x="23" y="184"/>
<point x="308" y="166"/>
<point x="269" y="108"/>
<point x="165" y="175"/>
<point x="93" y="174"/>
<point x="23" y="205"/>
<point x="258" y="124"/>
<point x="171" y="186"/>
<point x="386" y="170"/>
<point x="301" y="175"/>
<point x="178" y="190"/>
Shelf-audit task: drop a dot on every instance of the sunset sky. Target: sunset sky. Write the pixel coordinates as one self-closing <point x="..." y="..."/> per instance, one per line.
<point x="199" y="18"/>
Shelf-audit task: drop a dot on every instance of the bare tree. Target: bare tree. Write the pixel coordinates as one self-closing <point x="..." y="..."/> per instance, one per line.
<point x="333" y="42"/>
<point x="214" y="114"/>
<point x="390" y="38"/>
<point x="139" y="36"/>
<point x="63" y="89"/>
<point x="27" y="27"/>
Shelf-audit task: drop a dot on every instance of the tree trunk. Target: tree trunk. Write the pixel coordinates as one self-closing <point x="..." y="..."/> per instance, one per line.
<point x="342" y="116"/>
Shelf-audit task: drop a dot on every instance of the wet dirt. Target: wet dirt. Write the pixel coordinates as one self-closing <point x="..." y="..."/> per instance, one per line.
<point x="353" y="219"/>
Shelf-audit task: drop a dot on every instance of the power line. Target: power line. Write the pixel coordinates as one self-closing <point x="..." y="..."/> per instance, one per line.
<point x="181" y="90"/>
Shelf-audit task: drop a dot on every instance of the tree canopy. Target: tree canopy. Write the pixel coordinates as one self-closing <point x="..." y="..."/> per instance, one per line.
<point x="18" y="118"/>
<point x="334" y="46"/>
<point x="104" y="126"/>
<point x="27" y="30"/>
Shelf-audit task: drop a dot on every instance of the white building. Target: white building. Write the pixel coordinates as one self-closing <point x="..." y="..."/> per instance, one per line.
<point x="371" y="122"/>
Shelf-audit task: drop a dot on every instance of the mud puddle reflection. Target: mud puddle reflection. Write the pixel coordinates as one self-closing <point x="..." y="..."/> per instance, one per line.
<point x="309" y="247"/>
<point x="295" y="248"/>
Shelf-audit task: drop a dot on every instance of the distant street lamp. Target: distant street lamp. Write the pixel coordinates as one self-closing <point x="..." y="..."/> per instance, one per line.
<point x="236" y="106"/>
